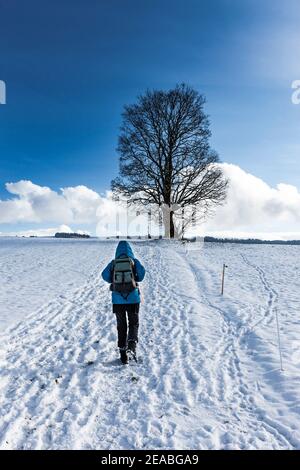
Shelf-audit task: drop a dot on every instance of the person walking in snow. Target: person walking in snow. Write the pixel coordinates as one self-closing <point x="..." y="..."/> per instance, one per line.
<point x="123" y="273"/>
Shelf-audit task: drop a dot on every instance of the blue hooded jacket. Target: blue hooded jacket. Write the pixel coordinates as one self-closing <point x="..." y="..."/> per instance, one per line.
<point x="124" y="250"/>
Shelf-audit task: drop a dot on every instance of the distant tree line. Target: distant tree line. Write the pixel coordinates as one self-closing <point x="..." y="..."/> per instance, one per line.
<point x="71" y="235"/>
<point x="251" y="241"/>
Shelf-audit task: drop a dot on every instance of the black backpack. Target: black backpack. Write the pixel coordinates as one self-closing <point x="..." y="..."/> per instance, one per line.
<point x="123" y="276"/>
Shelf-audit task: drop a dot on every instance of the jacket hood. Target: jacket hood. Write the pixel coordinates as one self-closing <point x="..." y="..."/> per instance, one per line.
<point x="124" y="249"/>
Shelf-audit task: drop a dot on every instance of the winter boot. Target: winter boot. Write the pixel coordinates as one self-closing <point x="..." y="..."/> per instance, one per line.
<point x="123" y="356"/>
<point x="132" y="346"/>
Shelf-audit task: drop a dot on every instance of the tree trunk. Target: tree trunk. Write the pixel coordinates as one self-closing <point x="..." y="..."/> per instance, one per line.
<point x="168" y="219"/>
<point x="172" y="227"/>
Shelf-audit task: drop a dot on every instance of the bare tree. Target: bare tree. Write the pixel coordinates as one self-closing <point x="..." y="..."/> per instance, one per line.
<point x="165" y="156"/>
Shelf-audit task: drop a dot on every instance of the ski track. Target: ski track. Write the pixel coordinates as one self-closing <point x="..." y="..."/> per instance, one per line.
<point x="62" y="385"/>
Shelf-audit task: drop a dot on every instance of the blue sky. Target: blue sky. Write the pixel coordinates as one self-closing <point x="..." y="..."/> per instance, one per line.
<point x="70" y="66"/>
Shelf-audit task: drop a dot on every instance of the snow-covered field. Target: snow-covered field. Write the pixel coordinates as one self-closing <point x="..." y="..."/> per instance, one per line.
<point x="209" y="373"/>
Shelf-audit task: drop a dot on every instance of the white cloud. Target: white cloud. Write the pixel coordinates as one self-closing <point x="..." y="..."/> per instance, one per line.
<point x="34" y="203"/>
<point x="40" y="204"/>
<point x="16" y="210"/>
<point x="253" y="207"/>
<point x="42" y="232"/>
<point x="83" y="202"/>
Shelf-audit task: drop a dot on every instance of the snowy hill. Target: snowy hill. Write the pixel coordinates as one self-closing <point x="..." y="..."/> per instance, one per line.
<point x="209" y="374"/>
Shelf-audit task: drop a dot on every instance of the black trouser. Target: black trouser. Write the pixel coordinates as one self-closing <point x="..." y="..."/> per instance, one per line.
<point x="132" y="311"/>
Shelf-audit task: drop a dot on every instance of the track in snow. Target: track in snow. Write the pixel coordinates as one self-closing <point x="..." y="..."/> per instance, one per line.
<point x="229" y="390"/>
<point x="63" y="387"/>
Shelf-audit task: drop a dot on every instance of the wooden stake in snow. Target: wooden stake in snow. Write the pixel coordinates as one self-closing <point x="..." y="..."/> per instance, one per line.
<point x="278" y="337"/>
<point x="223" y="277"/>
